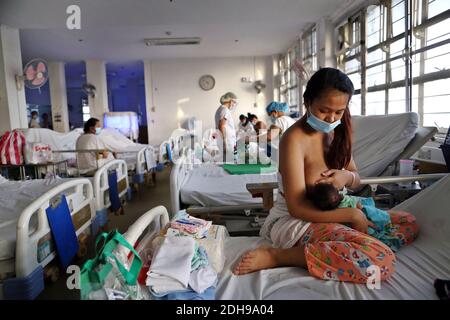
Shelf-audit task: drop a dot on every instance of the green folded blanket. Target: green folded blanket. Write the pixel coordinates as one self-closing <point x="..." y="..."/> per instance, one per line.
<point x="249" y="168"/>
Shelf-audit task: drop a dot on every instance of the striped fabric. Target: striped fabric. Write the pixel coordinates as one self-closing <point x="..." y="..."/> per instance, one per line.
<point x="11" y="147"/>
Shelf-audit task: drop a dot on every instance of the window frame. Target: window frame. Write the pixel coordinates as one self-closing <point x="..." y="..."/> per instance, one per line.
<point x="415" y="24"/>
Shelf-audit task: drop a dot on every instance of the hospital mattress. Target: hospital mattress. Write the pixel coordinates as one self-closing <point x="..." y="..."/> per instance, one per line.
<point x="116" y="141"/>
<point x="15" y="196"/>
<point x="378" y="140"/>
<point x="418" y="264"/>
<point x="210" y="185"/>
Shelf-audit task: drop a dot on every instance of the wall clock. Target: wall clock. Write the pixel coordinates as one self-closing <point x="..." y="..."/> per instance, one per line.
<point x="207" y="82"/>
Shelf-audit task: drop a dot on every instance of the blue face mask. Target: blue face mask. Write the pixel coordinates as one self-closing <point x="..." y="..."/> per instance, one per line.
<point x="98" y="130"/>
<point x="320" y="125"/>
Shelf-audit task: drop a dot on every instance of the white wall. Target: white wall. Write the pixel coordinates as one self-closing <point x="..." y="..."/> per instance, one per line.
<point x="173" y="94"/>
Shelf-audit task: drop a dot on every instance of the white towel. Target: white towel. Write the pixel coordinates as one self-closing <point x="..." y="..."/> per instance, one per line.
<point x="202" y="278"/>
<point x="172" y="260"/>
<point x="162" y="284"/>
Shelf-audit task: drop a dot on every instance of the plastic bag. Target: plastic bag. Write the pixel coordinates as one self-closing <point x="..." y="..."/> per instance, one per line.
<point x="38" y="153"/>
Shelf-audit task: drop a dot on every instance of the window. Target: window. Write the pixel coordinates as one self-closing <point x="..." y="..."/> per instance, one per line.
<point x="288" y="79"/>
<point x="308" y="58"/>
<point x="349" y="57"/>
<point x="404" y="62"/>
<point x="86" y="110"/>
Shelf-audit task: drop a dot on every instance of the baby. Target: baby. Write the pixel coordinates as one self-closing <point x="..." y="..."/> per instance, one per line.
<point x="326" y="197"/>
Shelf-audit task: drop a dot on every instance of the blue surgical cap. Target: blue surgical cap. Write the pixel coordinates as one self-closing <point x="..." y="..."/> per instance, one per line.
<point x="277" y="106"/>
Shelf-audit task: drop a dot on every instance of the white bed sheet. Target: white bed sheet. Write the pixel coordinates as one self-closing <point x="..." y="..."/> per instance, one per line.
<point x="116" y="141"/>
<point x="418" y="264"/>
<point x="15" y="196"/>
<point x="211" y="185"/>
<point x="378" y="140"/>
<point x="56" y="140"/>
<point x="127" y="149"/>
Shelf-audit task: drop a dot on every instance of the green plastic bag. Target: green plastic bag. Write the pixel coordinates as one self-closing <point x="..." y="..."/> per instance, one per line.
<point x="95" y="271"/>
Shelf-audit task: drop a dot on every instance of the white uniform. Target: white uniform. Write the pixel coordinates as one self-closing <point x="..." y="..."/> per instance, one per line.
<point x="246" y="127"/>
<point x="284" y="122"/>
<point x="34" y="123"/>
<point x="230" y="130"/>
<point x="87" y="160"/>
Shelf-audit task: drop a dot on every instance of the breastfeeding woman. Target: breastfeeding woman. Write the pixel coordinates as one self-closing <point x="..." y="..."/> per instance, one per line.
<point x="318" y="148"/>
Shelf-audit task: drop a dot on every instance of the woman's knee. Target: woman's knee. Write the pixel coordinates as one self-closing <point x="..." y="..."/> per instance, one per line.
<point x="369" y="263"/>
<point x="405" y="226"/>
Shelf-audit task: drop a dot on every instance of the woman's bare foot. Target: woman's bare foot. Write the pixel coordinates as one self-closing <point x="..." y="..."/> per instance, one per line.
<point x="255" y="260"/>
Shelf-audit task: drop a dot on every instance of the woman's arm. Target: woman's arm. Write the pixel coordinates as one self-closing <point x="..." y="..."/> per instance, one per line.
<point x="342" y="178"/>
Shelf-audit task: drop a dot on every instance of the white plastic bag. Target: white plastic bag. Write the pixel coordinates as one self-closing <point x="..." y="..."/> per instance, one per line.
<point x="38" y="153"/>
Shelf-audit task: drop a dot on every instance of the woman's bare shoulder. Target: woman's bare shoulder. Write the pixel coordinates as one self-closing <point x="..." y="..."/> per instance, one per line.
<point x="295" y="136"/>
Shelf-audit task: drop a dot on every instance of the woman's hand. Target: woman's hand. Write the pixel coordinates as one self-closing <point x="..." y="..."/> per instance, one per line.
<point x="360" y="222"/>
<point x="338" y="178"/>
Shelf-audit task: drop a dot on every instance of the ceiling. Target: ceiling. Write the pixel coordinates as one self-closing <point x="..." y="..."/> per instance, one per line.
<point x="114" y="30"/>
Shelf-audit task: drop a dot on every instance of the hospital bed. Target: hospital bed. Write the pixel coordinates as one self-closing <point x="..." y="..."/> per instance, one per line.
<point x="26" y="244"/>
<point x="171" y="149"/>
<point x="208" y="185"/>
<point x="140" y="158"/>
<point x="101" y="189"/>
<point x="418" y="264"/>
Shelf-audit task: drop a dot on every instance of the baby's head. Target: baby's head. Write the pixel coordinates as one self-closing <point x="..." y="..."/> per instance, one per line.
<point x="325" y="196"/>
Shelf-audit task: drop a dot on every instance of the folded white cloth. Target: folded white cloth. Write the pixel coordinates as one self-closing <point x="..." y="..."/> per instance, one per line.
<point x="202" y="278"/>
<point x="163" y="284"/>
<point x="172" y="260"/>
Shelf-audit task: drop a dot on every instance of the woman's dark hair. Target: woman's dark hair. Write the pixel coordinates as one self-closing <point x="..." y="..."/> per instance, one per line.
<point x="89" y="124"/>
<point x="340" y="151"/>
<point x="251" y="116"/>
<point x="242" y="117"/>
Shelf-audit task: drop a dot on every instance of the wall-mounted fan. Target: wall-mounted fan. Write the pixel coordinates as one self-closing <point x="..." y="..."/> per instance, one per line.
<point x="35" y="74"/>
<point x="302" y="71"/>
<point x="259" y="86"/>
<point x="89" y="89"/>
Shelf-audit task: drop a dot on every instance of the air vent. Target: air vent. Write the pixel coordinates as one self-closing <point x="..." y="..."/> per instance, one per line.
<point x="172" y="41"/>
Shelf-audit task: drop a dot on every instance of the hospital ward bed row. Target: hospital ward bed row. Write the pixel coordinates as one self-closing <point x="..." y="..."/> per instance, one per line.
<point x="141" y="159"/>
<point x="26" y="244"/>
<point x="418" y="264"/>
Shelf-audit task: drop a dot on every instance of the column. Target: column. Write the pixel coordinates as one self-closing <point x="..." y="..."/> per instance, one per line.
<point x="149" y="102"/>
<point x="325" y="41"/>
<point x="13" y="108"/>
<point x="96" y="75"/>
<point x="58" y="96"/>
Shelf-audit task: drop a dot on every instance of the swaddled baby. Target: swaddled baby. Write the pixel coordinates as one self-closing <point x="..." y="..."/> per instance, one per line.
<point x="326" y="197"/>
